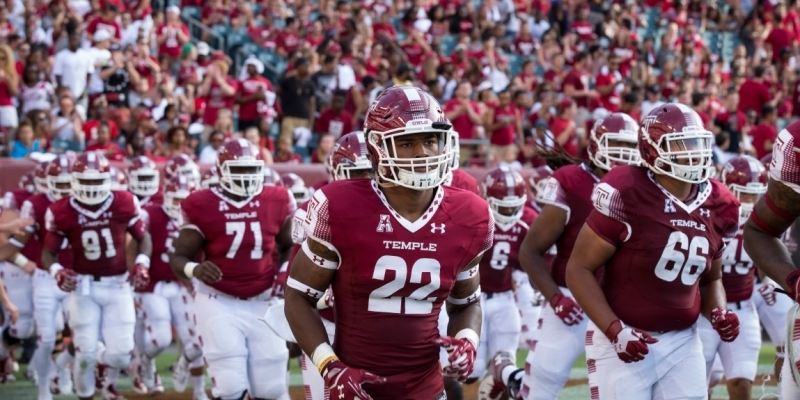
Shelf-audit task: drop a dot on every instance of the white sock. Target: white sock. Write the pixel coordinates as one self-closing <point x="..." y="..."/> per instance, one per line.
<point x="506" y="373"/>
<point x="63" y="359"/>
<point x="198" y="383"/>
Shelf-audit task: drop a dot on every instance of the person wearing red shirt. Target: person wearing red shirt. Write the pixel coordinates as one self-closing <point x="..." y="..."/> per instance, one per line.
<point x="525" y="44"/>
<point x="557" y="73"/>
<point x="754" y="92"/>
<point x="581" y="26"/>
<point x="764" y="135"/>
<point x="99" y="117"/>
<point x="285" y="152"/>
<point x="415" y="47"/>
<point x="463" y="113"/>
<point x="105" y="145"/>
<point x="609" y="84"/>
<point x="9" y="88"/>
<point x="779" y="38"/>
<point x="256" y="96"/>
<point x="384" y="27"/>
<point x="172" y="35"/>
<point x="564" y="127"/>
<point x="336" y="120"/>
<point x="106" y="21"/>
<point x="288" y="39"/>
<point x="504" y="127"/>
<point x="576" y="86"/>
<point x="220" y="90"/>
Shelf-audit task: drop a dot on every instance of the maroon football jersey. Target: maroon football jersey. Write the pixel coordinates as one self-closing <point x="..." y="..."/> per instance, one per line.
<point x="663" y="246"/>
<point x="163" y="231"/>
<point x="156" y="199"/>
<point x="394" y="276"/>
<point x="14" y="200"/>
<point x="462" y="180"/>
<point x="96" y="234"/>
<point x="737" y="269"/>
<point x="569" y="188"/>
<point x="35" y="207"/>
<point x="239" y="236"/>
<point x="498" y="263"/>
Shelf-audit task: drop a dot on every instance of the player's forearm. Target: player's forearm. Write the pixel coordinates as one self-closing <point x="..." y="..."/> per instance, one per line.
<point x="712" y="295"/>
<point x="48" y="259"/>
<point x="304" y="321"/>
<point x="589" y="295"/>
<point x="7" y="251"/>
<point x="769" y="253"/>
<point x="178" y="262"/>
<point x="535" y="266"/>
<point x="145" y="246"/>
<point x="464" y="317"/>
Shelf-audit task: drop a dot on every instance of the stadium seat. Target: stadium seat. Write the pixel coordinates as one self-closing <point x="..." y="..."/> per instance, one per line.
<point x="191" y="12"/>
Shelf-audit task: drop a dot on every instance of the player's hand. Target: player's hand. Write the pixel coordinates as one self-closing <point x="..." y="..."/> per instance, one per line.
<point x="462" y="357"/>
<point x="140" y="277"/>
<point x="629" y="343"/>
<point x="567" y="309"/>
<point x="12" y="310"/>
<point x="793" y="283"/>
<point x="17" y="226"/>
<point x="726" y="323"/>
<point x="207" y="272"/>
<point x="345" y="382"/>
<point x="767" y="292"/>
<point x="67" y="280"/>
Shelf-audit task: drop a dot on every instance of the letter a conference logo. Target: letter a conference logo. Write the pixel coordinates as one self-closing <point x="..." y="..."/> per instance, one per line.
<point x="385" y="224"/>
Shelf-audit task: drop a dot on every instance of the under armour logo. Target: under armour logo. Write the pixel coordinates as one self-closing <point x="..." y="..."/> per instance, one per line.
<point x="318" y="260"/>
<point x="435" y="228"/>
<point x="310" y="292"/>
<point x="107" y="215"/>
<point x="704" y="212"/>
<point x="473" y="297"/>
<point x="385" y="224"/>
<point x="255" y="203"/>
<point x="341" y="391"/>
<point x="81" y="220"/>
<point x="668" y="206"/>
<point x="223" y="206"/>
<point x="515" y="229"/>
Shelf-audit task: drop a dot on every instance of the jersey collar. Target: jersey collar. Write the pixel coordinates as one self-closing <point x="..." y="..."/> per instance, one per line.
<point x="423" y="220"/>
<point x="89" y="213"/>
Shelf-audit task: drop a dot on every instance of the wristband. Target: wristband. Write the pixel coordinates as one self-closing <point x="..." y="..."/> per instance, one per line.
<point x="55" y="269"/>
<point x="142" y="259"/>
<point x="323" y="355"/>
<point x="470" y="335"/>
<point x="188" y="269"/>
<point x="20" y="260"/>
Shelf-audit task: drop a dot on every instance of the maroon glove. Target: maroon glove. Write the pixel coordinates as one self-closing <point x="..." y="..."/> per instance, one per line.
<point x="767" y="292"/>
<point x="140" y="277"/>
<point x="567" y="309"/>
<point x="67" y="279"/>
<point x="726" y="323"/>
<point x="630" y="344"/>
<point x="344" y="382"/>
<point x="462" y="357"/>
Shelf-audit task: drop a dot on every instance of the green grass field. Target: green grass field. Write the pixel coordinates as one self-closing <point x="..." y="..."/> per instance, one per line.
<point x="22" y="389"/>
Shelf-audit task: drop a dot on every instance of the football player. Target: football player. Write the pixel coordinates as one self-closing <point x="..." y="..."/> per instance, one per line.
<point x="94" y="220"/>
<point x="182" y="165"/>
<point x="17" y="273"/>
<point x="143" y="179"/>
<point x="505" y="191"/>
<point x="746" y="178"/>
<point x="394" y="250"/>
<point x="566" y="195"/>
<point x="49" y="302"/>
<point x="659" y="231"/>
<point x="772" y="216"/>
<point x="458" y="178"/>
<point x="297" y="186"/>
<point x="237" y="226"/>
<point x="209" y="179"/>
<point x="167" y="302"/>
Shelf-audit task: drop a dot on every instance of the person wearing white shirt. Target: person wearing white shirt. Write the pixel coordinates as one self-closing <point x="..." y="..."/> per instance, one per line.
<point x="100" y="55"/>
<point x="653" y="100"/>
<point x="73" y="69"/>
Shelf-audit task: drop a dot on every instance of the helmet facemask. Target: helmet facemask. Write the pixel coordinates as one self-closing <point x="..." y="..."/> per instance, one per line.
<point x="144" y="182"/>
<point x="41" y="184"/>
<point x="456" y="150"/>
<point x="59" y="186"/>
<point x="346" y="168"/>
<point x="418" y="173"/>
<point x="686" y="155"/>
<point x="91" y="188"/>
<point x="242" y="177"/>
<point x="615" y="149"/>
<point x="172" y="203"/>
<point x="509" y="202"/>
<point x="747" y="196"/>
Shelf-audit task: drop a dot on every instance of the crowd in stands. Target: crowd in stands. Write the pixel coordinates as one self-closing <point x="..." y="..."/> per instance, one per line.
<point x="133" y="77"/>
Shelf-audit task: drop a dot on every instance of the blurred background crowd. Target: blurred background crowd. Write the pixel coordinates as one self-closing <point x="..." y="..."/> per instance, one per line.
<point x="162" y="77"/>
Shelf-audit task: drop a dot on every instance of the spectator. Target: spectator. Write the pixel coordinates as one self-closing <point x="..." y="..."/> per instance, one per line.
<point x="220" y="89"/>
<point x="25" y="144"/>
<point x="209" y="153"/>
<point x="754" y="92"/>
<point x="99" y="115"/>
<point x="504" y="127"/>
<point x="119" y="76"/>
<point x="298" y="103"/>
<point x="9" y="88"/>
<point x="172" y="35"/>
<point x="653" y="99"/>
<point x="252" y="135"/>
<point x="175" y="143"/>
<point x="285" y="153"/>
<point x="336" y="120"/>
<point x="105" y="22"/>
<point x="104" y="144"/>
<point x="256" y="98"/>
<point x="137" y="146"/>
<point x="764" y="135"/>
<point x="575" y="88"/>
<point x="73" y="68"/>
<point x="564" y="127"/>
<point x="609" y="84"/>
<point x="463" y="113"/>
<point x="67" y="121"/>
<point x="324" y="148"/>
<point x="35" y="93"/>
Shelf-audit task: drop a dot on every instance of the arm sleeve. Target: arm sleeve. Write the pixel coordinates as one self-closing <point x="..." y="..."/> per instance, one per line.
<point x="317" y="223"/>
<point x="186" y="220"/>
<point x="785" y="166"/>
<point x="554" y="194"/>
<point x="54" y="238"/>
<point x="608" y="219"/>
<point x="488" y="237"/>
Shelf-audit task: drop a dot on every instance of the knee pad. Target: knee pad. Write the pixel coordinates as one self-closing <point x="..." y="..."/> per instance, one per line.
<point x="117" y="360"/>
<point x="229" y="384"/>
<point x="271" y="389"/>
<point x="157" y="337"/>
<point x="9" y="339"/>
<point x="193" y="352"/>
